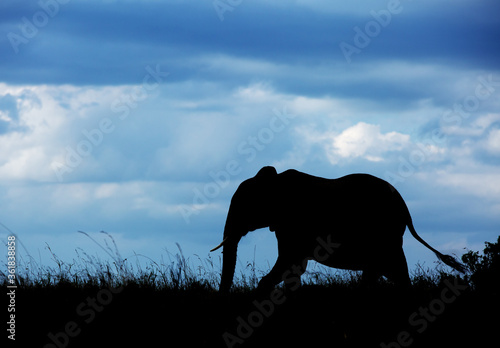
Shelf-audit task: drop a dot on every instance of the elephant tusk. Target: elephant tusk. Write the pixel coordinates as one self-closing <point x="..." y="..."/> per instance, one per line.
<point x="220" y="245"/>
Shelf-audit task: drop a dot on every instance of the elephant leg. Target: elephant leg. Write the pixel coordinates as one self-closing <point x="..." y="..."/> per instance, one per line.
<point x="292" y="276"/>
<point x="285" y="269"/>
<point x="275" y="276"/>
<point x="369" y="277"/>
<point x="398" y="270"/>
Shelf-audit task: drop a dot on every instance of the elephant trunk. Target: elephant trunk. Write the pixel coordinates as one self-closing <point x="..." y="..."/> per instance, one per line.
<point x="228" y="267"/>
<point x="229" y="251"/>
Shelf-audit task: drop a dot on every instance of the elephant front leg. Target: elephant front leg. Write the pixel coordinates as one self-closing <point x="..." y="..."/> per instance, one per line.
<point x="285" y="270"/>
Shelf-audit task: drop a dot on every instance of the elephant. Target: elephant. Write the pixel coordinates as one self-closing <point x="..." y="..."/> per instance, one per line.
<point x="355" y="222"/>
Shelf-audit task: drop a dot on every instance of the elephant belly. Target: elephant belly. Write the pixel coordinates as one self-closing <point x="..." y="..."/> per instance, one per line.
<point x="352" y="257"/>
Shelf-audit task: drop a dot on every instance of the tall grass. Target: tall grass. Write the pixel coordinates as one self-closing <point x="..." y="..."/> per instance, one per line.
<point x="174" y="271"/>
<point x="177" y="272"/>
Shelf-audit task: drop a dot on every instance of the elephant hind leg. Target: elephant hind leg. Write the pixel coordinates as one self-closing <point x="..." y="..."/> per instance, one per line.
<point x="398" y="270"/>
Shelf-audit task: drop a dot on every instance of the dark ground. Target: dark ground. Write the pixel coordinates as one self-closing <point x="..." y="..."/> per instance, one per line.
<point x="313" y="316"/>
<point x="169" y="307"/>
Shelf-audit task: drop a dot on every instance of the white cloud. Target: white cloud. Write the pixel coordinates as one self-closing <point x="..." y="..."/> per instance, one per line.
<point x="362" y="140"/>
<point x="473" y="143"/>
<point x="4" y="116"/>
<point x="483" y="182"/>
<point x="475" y="128"/>
<point x="50" y="118"/>
<point x="493" y="141"/>
<point x="486" y="121"/>
<point x="255" y="93"/>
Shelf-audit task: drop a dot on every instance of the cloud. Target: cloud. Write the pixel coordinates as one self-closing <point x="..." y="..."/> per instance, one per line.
<point x="120" y="40"/>
<point x="473" y="144"/>
<point x="182" y="131"/>
<point x="51" y="120"/>
<point x="476" y="127"/>
<point x="366" y="140"/>
<point x="362" y="140"/>
<point x="484" y="185"/>
<point x="493" y="141"/>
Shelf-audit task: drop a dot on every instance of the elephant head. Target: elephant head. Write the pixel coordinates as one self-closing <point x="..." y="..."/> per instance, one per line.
<point x="250" y="209"/>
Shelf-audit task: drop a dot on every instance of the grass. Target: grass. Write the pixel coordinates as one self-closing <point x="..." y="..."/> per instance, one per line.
<point x="176" y="272"/>
<point x="138" y="301"/>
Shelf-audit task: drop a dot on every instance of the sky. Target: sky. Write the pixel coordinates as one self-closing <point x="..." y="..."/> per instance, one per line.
<point x="141" y="118"/>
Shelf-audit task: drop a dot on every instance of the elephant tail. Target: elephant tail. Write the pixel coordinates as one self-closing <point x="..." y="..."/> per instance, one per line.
<point x="447" y="259"/>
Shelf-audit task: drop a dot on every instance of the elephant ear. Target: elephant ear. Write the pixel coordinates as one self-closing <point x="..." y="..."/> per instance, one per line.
<point x="265" y="187"/>
<point x="266" y="172"/>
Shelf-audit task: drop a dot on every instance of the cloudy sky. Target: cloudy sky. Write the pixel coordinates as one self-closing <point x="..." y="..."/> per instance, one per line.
<point x="140" y="118"/>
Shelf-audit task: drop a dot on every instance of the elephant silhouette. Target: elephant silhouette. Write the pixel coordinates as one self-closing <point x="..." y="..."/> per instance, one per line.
<point x="355" y="222"/>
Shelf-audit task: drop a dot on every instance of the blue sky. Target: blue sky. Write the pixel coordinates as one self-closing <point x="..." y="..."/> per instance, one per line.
<point x="140" y="118"/>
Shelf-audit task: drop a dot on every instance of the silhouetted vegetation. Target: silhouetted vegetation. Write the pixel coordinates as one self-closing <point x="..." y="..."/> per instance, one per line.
<point x="485" y="268"/>
<point x="139" y="302"/>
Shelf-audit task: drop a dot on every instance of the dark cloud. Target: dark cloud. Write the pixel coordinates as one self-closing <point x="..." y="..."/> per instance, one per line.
<point x="110" y="43"/>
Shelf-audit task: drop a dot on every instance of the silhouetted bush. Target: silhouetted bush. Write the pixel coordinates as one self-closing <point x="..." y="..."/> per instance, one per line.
<point x="484" y="268"/>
